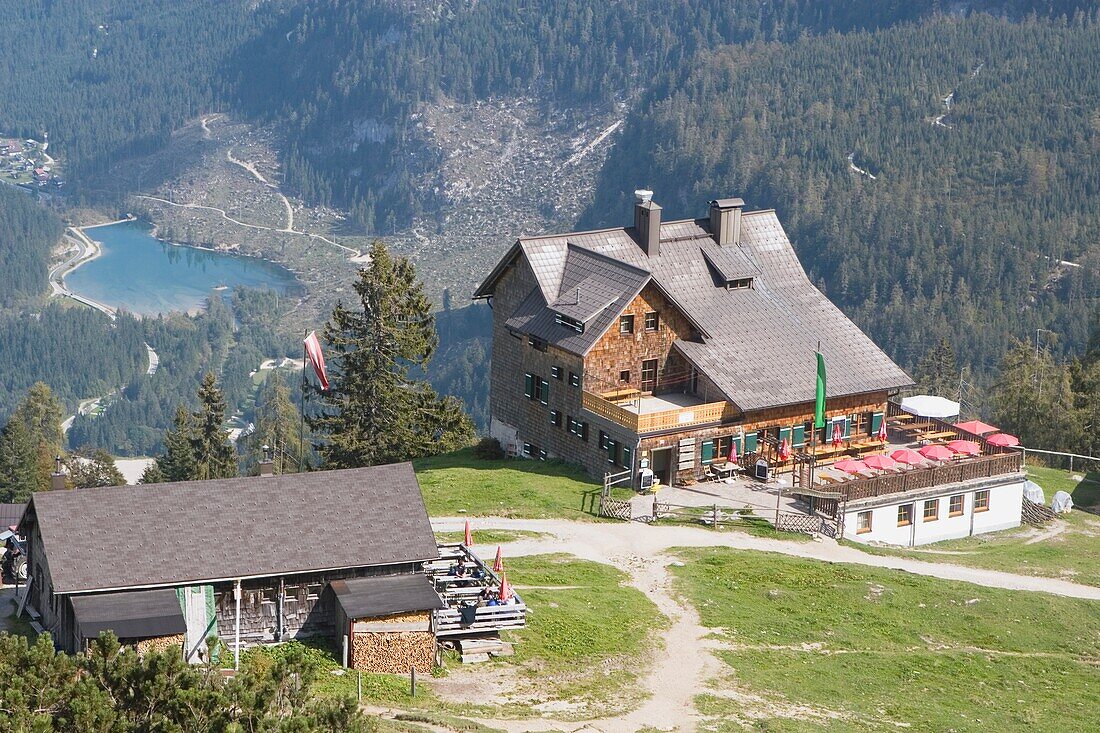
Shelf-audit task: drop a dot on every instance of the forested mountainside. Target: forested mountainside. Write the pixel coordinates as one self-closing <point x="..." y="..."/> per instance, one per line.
<point x="110" y="78"/>
<point x="28" y="233"/>
<point x="346" y="77"/>
<point x="974" y="215"/>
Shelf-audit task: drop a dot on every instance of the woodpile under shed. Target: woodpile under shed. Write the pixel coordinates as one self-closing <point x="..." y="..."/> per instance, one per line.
<point x="393" y="644"/>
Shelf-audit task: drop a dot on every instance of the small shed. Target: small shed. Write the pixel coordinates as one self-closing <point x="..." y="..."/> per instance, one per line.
<point x="148" y="619"/>
<point x="388" y="622"/>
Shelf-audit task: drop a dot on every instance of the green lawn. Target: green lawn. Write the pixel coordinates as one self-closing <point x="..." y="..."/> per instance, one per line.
<point x="587" y="644"/>
<point x="491" y="536"/>
<point x="816" y="646"/>
<point x="1072" y="554"/>
<point x="458" y="483"/>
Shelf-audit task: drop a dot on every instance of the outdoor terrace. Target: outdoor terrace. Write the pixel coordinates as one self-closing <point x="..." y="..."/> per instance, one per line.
<point x="467" y="613"/>
<point x="656" y="413"/>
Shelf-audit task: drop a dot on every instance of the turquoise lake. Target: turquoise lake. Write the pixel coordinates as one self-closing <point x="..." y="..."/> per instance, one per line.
<point x="141" y="274"/>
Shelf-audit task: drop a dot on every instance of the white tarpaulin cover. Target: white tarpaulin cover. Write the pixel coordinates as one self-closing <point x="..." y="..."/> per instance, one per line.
<point x="1034" y="492"/>
<point x="1062" y="502"/>
<point x="927" y="405"/>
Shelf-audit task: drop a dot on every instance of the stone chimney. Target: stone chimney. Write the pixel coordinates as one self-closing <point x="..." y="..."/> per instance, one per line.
<point x="725" y="220"/>
<point x="267" y="465"/>
<point x="57" y="478"/>
<point x="647" y="221"/>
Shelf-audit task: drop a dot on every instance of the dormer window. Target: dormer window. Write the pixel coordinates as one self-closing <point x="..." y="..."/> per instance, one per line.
<point x="568" y="322"/>
<point x="740" y="284"/>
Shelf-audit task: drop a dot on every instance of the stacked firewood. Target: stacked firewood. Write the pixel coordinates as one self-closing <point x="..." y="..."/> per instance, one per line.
<point x="393" y="652"/>
<point x="159" y="644"/>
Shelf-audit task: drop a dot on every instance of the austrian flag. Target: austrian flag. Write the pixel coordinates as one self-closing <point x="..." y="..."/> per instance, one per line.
<point x="316" y="358"/>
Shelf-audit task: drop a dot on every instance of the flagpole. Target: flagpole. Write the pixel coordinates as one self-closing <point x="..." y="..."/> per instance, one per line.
<point x="302" y="427"/>
<point x="813" y="434"/>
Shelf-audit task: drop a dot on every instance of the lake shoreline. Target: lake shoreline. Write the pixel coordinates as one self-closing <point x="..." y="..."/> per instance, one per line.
<point x="146" y="285"/>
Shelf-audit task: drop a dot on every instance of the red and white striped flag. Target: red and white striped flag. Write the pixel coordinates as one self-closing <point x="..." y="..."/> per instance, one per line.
<point x="316" y="358"/>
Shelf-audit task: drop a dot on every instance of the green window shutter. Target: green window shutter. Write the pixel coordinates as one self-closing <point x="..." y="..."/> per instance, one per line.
<point x="528" y="386"/>
<point x="628" y="457"/>
<point x="750" y="442"/>
<point x="612" y="451"/>
<point x="737" y="442"/>
<point x="784" y="434"/>
<point x="545" y="391"/>
<point x="708" y="452"/>
<point x="876" y="422"/>
<point x="798" y="436"/>
<point x="847" y="428"/>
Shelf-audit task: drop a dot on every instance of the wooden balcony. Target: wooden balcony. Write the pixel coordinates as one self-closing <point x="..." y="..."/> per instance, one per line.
<point x="654" y="414"/>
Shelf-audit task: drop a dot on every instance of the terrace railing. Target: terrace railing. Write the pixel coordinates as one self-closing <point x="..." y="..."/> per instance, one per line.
<point x="965" y="469"/>
<point x="655" y="422"/>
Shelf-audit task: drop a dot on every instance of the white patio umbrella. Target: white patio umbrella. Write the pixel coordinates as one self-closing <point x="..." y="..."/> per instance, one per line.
<point x="927" y="405"/>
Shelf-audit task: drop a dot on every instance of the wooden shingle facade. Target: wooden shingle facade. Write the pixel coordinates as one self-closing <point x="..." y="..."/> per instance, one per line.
<point x="661" y="345"/>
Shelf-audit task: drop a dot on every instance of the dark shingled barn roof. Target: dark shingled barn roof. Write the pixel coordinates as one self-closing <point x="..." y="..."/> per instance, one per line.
<point x="386" y="595"/>
<point x="10" y="514"/>
<point x="137" y="614"/>
<point x="756" y="344"/>
<point x="203" y="531"/>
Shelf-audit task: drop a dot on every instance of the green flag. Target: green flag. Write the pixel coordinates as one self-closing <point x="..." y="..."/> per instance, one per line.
<point x="819" y="406"/>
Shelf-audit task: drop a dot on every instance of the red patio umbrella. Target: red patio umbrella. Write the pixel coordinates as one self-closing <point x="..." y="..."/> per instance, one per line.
<point x="468" y="540"/>
<point x="977" y="427"/>
<point x="965" y="447"/>
<point x="1003" y="439"/>
<point x="882" y="431"/>
<point x="505" y="589"/>
<point x="908" y="456"/>
<point x="881" y="462"/>
<point x="936" y="452"/>
<point x="732" y="458"/>
<point x="838" y="434"/>
<point x="850" y="466"/>
<point x="498" y="564"/>
<point x="784" y="450"/>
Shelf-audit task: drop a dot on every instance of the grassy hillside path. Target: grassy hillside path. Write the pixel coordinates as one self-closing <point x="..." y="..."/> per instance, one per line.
<point x="603" y="541"/>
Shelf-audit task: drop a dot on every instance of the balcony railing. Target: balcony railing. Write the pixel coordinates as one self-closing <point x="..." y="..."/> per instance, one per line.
<point x="964" y="469"/>
<point x="655" y="422"/>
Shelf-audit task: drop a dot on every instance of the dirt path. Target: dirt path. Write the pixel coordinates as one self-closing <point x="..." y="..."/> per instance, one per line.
<point x="599" y="542"/>
<point x="251" y="168"/>
<point x="682" y="668"/>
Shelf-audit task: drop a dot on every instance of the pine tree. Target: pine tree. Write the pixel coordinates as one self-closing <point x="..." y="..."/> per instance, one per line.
<point x="278" y="426"/>
<point x="97" y="470"/>
<point x="374" y="411"/>
<point x="938" y="372"/>
<point x="19" y="470"/>
<point x="214" y="455"/>
<point x="177" y="463"/>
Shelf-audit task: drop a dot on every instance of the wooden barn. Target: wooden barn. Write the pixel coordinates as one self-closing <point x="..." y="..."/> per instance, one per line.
<point x="247" y="560"/>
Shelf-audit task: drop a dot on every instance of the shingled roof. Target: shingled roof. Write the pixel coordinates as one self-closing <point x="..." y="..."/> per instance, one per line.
<point x="202" y="531"/>
<point x="756" y="344"/>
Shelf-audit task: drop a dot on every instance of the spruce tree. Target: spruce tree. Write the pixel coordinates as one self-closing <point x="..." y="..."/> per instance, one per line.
<point x="375" y="412"/>
<point x="214" y="455"/>
<point x="177" y="463"/>
<point x="97" y="470"/>
<point x="938" y="371"/>
<point x="19" y="470"/>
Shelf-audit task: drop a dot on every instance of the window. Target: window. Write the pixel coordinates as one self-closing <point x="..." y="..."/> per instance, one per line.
<point x="542" y="390"/>
<point x="574" y="379"/>
<point x="931" y="510"/>
<point x="858" y="423"/>
<point x="555" y="372"/>
<point x="533" y="451"/>
<point x="905" y="515"/>
<point x="740" y="283"/>
<point x="863" y="522"/>
<point x="568" y="322"/>
<point x="624" y="376"/>
<point x="981" y="501"/>
<point x="536" y="343"/>
<point x="626" y="324"/>
<point x="578" y="428"/>
<point x="955" y="508"/>
<point x="603" y="440"/>
<point x="572" y="425"/>
<point x="652" y="321"/>
<point x="649" y="375"/>
<point x="555" y="418"/>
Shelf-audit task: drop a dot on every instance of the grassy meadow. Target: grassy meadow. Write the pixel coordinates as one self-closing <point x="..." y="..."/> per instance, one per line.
<point x="814" y="646"/>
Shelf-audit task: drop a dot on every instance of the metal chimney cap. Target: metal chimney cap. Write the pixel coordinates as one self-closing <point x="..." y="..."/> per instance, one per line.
<point x="642" y="195"/>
